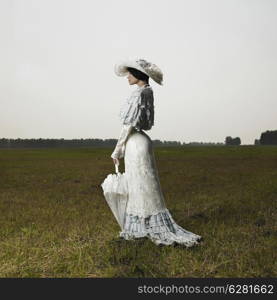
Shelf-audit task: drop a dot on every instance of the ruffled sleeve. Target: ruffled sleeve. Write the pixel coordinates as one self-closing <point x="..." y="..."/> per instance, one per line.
<point x="140" y="112"/>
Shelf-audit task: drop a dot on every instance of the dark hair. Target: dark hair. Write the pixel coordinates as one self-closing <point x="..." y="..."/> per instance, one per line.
<point x="138" y="74"/>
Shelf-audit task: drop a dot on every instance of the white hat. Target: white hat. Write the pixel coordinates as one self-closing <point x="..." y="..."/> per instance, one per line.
<point x="142" y="65"/>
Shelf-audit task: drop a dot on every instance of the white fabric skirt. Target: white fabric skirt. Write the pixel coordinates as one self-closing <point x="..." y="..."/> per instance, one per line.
<point x="146" y="212"/>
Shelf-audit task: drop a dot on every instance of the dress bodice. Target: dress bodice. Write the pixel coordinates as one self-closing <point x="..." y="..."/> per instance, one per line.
<point x="138" y="109"/>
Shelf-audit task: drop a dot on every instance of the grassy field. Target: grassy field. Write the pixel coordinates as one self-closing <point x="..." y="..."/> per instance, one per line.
<point x="54" y="221"/>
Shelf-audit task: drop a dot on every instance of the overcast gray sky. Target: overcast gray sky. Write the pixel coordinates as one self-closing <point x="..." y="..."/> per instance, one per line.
<point x="219" y="59"/>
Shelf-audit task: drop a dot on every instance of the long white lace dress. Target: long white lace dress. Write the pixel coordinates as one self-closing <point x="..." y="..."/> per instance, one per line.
<point x="146" y="212"/>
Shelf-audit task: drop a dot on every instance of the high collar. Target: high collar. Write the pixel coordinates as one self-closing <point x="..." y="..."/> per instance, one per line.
<point x="143" y="87"/>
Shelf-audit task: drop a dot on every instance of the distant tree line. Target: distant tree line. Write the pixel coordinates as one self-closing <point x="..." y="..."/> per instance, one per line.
<point x="202" y="144"/>
<point x="267" y="138"/>
<point x="51" y="143"/>
<point x="232" y="141"/>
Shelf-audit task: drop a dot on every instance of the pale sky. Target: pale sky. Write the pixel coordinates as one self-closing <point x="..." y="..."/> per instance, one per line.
<point x="219" y="59"/>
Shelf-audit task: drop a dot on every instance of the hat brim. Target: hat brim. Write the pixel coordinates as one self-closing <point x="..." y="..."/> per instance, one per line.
<point x="120" y="69"/>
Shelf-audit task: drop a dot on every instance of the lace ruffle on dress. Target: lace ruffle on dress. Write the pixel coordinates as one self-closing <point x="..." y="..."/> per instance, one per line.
<point x="146" y="212"/>
<point x="160" y="228"/>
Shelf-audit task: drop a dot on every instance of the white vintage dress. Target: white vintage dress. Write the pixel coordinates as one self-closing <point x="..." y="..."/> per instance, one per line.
<point x="146" y="212"/>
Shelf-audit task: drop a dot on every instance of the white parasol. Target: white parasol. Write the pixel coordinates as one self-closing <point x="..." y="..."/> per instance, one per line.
<point x="115" y="190"/>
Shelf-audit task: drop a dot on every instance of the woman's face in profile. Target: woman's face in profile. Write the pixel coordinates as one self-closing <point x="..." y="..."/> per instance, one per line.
<point x="132" y="79"/>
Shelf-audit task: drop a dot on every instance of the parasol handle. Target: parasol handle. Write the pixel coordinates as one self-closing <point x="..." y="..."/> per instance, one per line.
<point x="116" y="168"/>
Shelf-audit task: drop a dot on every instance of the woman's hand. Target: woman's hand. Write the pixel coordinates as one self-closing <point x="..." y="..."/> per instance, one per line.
<point x="116" y="161"/>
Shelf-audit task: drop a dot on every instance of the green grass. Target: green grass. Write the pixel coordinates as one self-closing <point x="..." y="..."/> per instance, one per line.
<point x="54" y="221"/>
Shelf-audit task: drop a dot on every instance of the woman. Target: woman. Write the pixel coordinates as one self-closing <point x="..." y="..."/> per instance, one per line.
<point x="146" y="212"/>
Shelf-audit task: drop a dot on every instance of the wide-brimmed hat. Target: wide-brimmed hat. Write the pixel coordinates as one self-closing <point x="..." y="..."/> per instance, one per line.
<point x="146" y="67"/>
